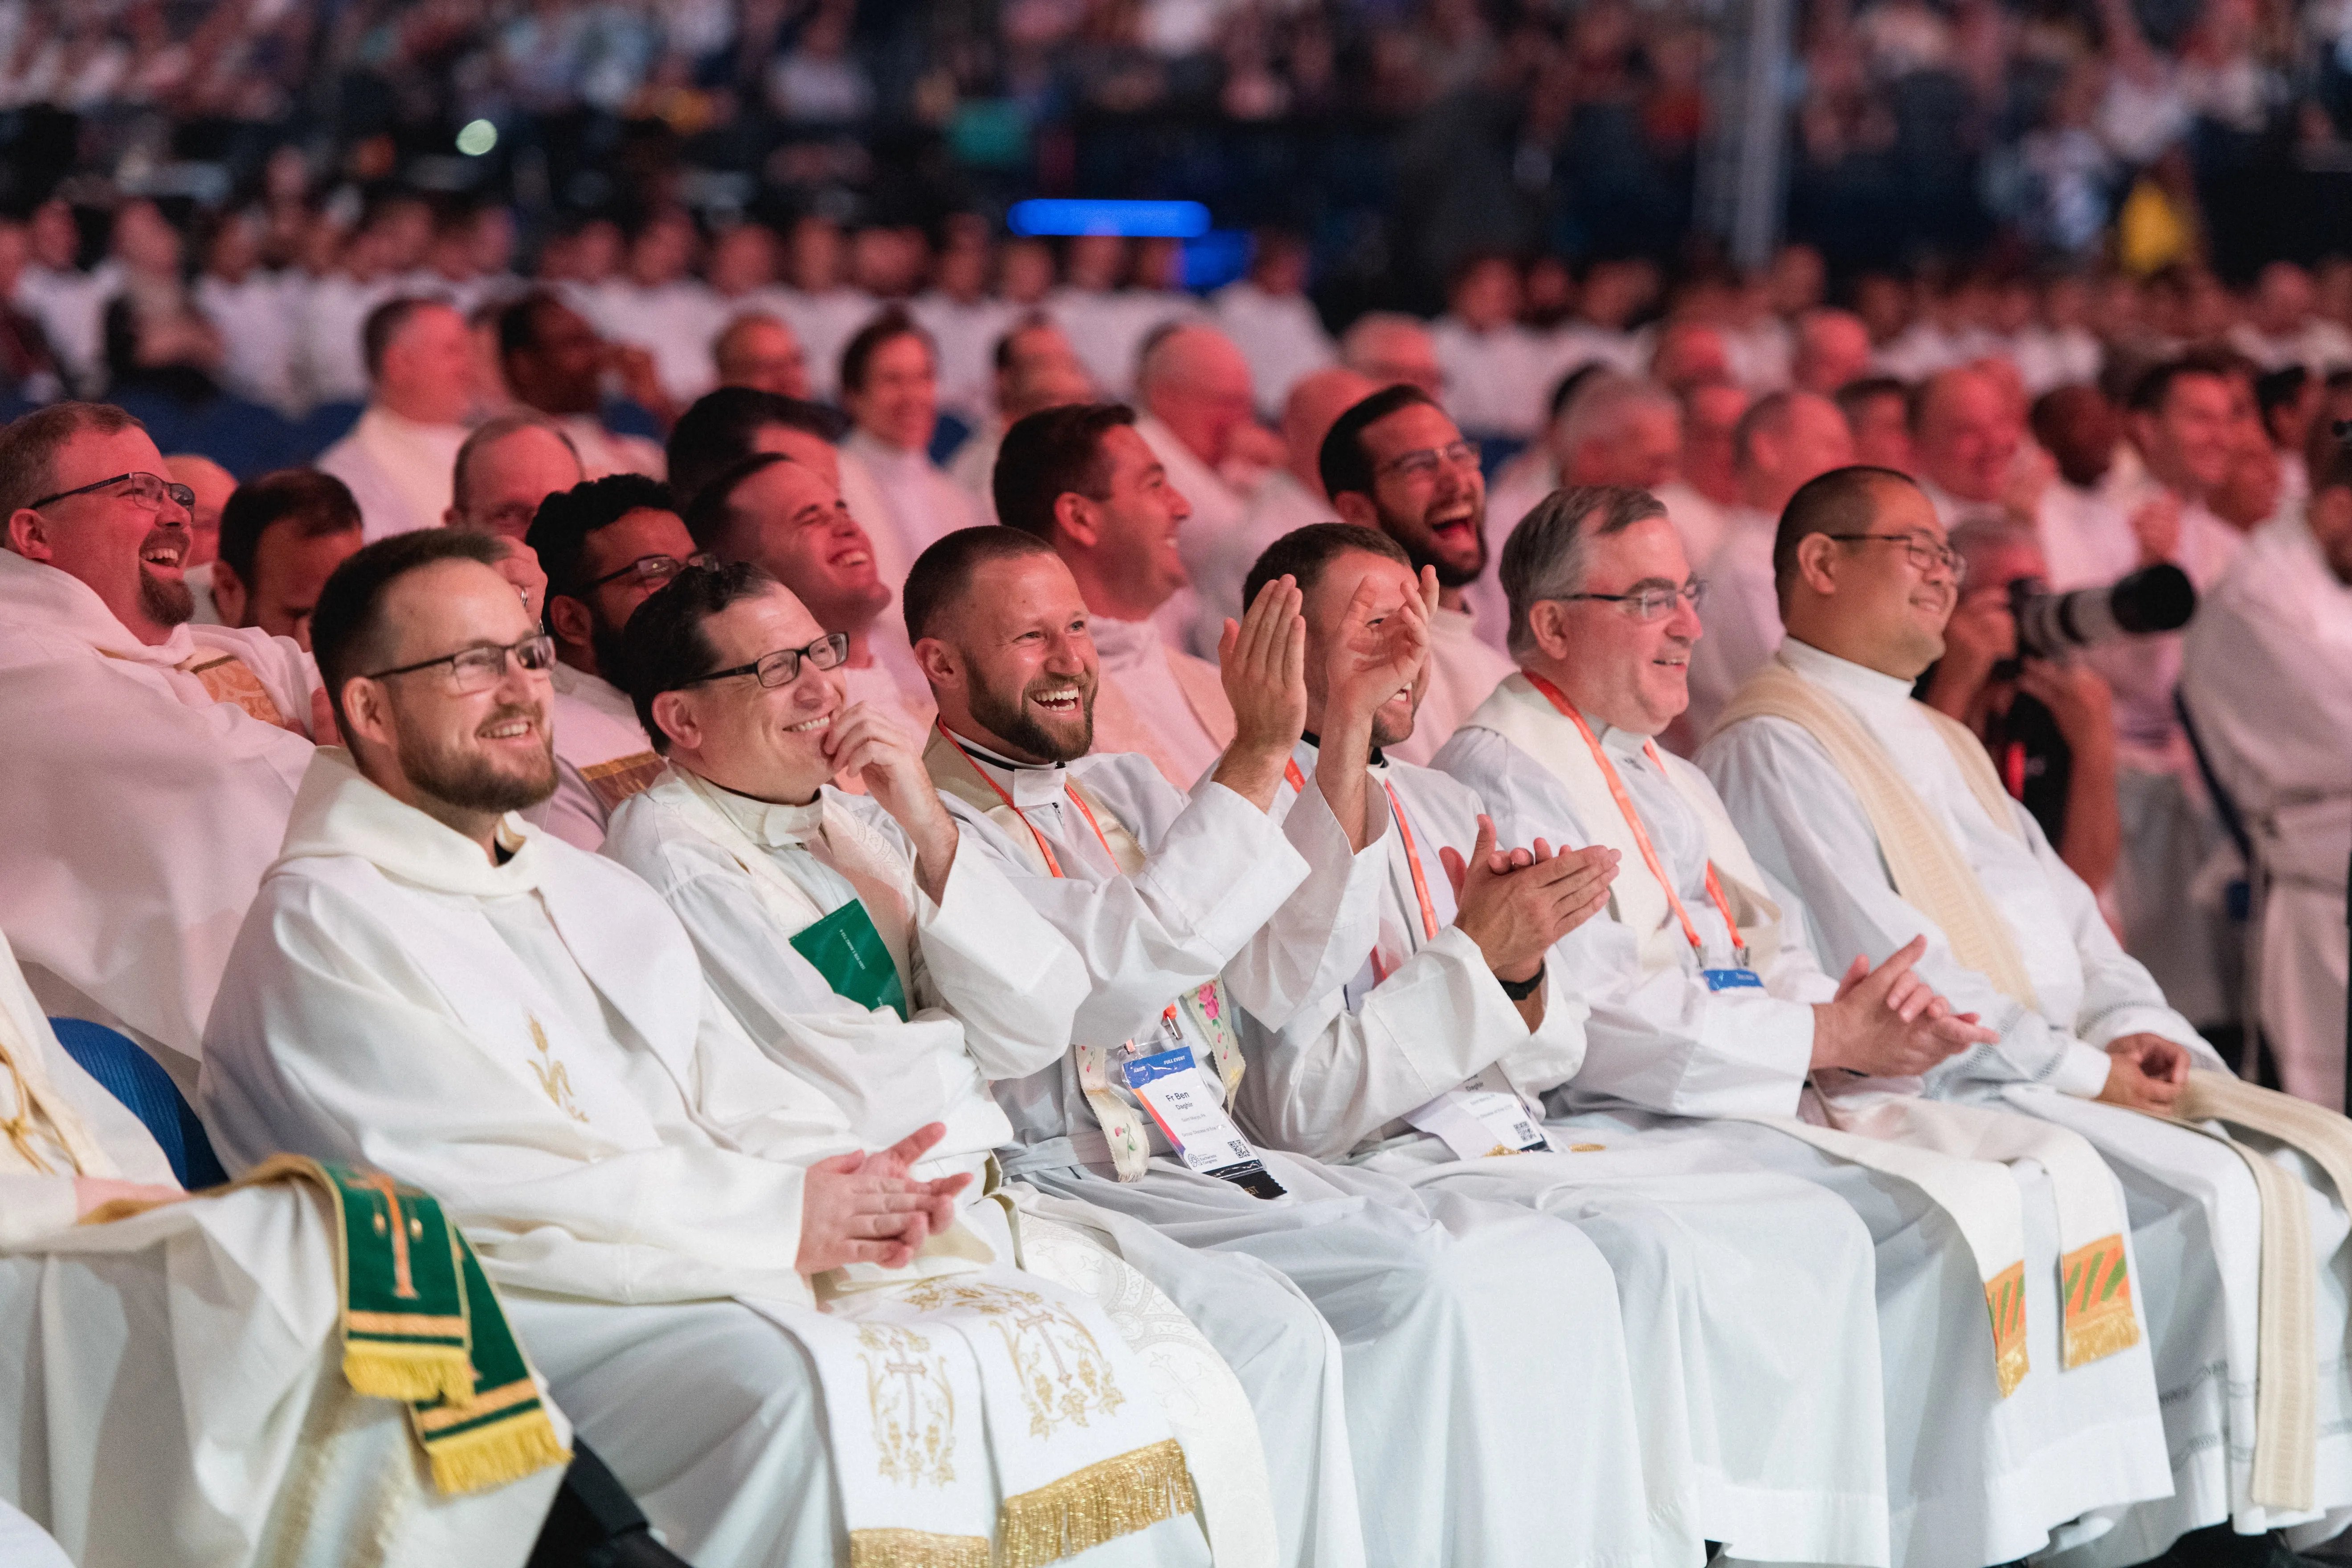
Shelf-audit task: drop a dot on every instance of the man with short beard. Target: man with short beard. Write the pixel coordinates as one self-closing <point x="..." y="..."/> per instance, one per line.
<point x="1466" y="1327"/>
<point x="1395" y="463"/>
<point x="788" y="517"/>
<point x="152" y="762"/>
<point x="605" y="546"/>
<point x="429" y="987"/>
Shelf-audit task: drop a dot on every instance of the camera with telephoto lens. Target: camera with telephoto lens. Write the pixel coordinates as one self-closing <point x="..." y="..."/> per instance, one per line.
<point x="2158" y="598"/>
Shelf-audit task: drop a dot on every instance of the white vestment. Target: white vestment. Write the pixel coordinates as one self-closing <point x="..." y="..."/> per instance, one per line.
<point x="398" y="470"/>
<point x="194" y="1353"/>
<point x="1741" y="615"/>
<point x="918" y="503"/>
<point x="605" y="452"/>
<point x="1158" y="701"/>
<point x="1972" y="1477"/>
<point x="988" y="990"/>
<point x="1463" y="669"/>
<point x="1280" y="334"/>
<point x="257" y="323"/>
<point x="2267" y="678"/>
<point x="1469" y="1328"/>
<point x="142" y="810"/>
<point x="1748" y="1299"/>
<point x="2194" y="1210"/>
<point x="1280" y="504"/>
<point x="1700" y="521"/>
<point x="964" y="332"/>
<point x="534" y="1041"/>
<point x="601" y="756"/>
<point x="330" y="313"/>
<point x="674" y="322"/>
<point x="974" y="468"/>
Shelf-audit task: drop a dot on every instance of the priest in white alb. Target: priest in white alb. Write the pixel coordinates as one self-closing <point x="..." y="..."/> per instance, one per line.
<point x="1396" y="463"/>
<point x="398" y="458"/>
<point x="789" y="1349"/>
<point x="849" y="937"/>
<point x="1470" y="1328"/>
<point x="1891" y="827"/>
<point x="2266" y="677"/>
<point x="151" y="763"/>
<point x="1747" y="1297"/>
<point x="171" y="1373"/>
<point x="604" y="545"/>
<point x="1079" y="478"/>
<point x="2009" y="1416"/>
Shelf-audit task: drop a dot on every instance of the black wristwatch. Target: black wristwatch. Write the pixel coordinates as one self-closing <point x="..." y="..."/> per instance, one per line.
<point x="1520" y="990"/>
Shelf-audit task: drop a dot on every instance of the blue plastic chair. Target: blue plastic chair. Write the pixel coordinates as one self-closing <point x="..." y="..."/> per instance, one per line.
<point x="147" y="1091"/>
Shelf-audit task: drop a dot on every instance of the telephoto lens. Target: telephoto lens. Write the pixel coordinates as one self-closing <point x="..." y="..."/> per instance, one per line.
<point x="2159" y="598"/>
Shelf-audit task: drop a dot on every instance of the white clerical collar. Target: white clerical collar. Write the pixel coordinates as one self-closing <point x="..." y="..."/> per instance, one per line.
<point x="1031" y="783"/>
<point x="771" y="823"/>
<point x="1125" y="645"/>
<point x="1857" y="683"/>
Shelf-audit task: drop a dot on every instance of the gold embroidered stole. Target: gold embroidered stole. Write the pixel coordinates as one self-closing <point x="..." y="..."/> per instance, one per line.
<point x="228" y="678"/>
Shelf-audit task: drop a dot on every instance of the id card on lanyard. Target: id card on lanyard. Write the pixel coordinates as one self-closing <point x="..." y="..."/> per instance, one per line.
<point x="1484" y="1116"/>
<point x="1740" y="977"/>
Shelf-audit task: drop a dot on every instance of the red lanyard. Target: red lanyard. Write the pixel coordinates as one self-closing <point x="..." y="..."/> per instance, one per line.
<point x="1052" y="863"/>
<point x="1641" y="835"/>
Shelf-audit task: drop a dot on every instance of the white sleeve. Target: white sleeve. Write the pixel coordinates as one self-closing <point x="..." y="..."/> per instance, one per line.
<point x="1318" y="941"/>
<point x="32" y="1207"/>
<point x="1805" y="827"/>
<point x="1218" y="874"/>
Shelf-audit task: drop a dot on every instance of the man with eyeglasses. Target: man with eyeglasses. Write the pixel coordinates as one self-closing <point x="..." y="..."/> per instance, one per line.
<point x="1714" y="1026"/>
<point x="606" y="545"/>
<point x="788" y="517"/>
<point x="1395" y="463"/>
<point x="430" y="987"/>
<point x="152" y="761"/>
<point x="1465" y="1327"/>
<point x="1890" y="822"/>
<point x="864" y="951"/>
<point x="1426" y="1057"/>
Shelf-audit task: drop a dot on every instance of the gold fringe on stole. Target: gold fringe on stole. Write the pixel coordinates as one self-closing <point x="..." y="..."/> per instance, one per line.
<point x="2005" y="1299"/>
<point x="412" y="1372"/>
<point x="2098" y="1315"/>
<point x="493" y="1455"/>
<point x="1102" y="1502"/>
<point x="915" y="1549"/>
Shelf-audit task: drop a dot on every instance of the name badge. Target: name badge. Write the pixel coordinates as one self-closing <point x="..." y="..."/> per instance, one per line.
<point x="1170" y="1085"/>
<point x="1485" y="1116"/>
<point x="1732" y="980"/>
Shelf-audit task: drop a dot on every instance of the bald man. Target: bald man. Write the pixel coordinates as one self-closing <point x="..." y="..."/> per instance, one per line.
<point x="1832" y="350"/>
<point x="1197" y="400"/>
<point x="1965" y="435"/>
<point x="212" y="485"/>
<point x="1289" y="497"/>
<point x="1784" y="441"/>
<point x="757" y="350"/>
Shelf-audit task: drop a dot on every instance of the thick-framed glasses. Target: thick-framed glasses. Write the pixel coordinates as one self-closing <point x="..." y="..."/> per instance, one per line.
<point x="650" y="570"/>
<point x="1650" y="604"/>
<point x="1925" y="553"/>
<point x="480" y="669"/>
<point x="1423" y="464"/>
<point x="783" y="667"/>
<point x="149" y="490"/>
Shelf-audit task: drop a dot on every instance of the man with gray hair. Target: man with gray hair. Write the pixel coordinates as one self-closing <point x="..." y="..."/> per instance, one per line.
<point x="1712" y="1021"/>
<point x="1787" y="439"/>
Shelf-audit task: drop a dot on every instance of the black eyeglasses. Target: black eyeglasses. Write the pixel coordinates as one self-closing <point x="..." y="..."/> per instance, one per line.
<point x="149" y="490"/>
<point x="783" y="667"/>
<point x="480" y="669"/>
<point x="649" y="571"/>
<point x="1925" y="553"/>
<point x="1649" y="603"/>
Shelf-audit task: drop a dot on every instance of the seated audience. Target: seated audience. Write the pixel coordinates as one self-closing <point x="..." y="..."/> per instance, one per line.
<point x="1036" y="368"/>
<point x="211" y="485"/>
<point x="281" y="537"/>
<point x="1197" y="412"/>
<point x="1287" y="498"/>
<point x="757" y="350"/>
<point x="555" y="363"/>
<point x="397" y="459"/>
<point x="1887" y="821"/>
<point x="432" y="987"/>
<point x="1083" y="480"/>
<point x="1408" y="1283"/>
<point x="890" y="388"/>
